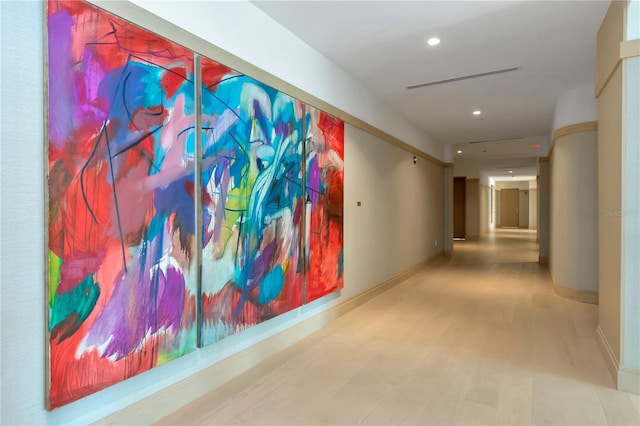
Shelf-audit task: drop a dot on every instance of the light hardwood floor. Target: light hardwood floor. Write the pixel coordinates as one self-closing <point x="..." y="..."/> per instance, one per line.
<point x="479" y="338"/>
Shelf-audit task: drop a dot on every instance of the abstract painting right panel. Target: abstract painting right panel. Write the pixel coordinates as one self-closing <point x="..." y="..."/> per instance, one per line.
<point x="325" y="183"/>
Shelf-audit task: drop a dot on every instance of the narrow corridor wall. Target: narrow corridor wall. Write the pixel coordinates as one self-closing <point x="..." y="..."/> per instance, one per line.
<point x="400" y="217"/>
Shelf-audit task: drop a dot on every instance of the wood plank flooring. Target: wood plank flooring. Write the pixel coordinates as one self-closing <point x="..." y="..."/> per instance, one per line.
<point x="479" y="338"/>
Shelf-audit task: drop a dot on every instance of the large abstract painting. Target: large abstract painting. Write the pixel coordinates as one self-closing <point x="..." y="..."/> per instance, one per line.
<point x="252" y="157"/>
<point x="122" y="280"/>
<point x="123" y="284"/>
<point x="325" y="182"/>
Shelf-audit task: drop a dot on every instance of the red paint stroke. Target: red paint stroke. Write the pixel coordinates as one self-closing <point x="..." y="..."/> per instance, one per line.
<point x="326" y="240"/>
<point x="173" y="79"/>
<point x="214" y="73"/>
<point x="224" y="305"/>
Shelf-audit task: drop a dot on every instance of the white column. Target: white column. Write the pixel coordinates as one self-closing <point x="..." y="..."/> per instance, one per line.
<point x="573" y="240"/>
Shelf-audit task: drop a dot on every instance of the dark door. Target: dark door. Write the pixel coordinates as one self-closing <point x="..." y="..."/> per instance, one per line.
<point x="459" y="206"/>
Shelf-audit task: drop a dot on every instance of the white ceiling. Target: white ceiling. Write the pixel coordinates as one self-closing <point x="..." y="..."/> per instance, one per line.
<point x="501" y="159"/>
<point x="383" y="44"/>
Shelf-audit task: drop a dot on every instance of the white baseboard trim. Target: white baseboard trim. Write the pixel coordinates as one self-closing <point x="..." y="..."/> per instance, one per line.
<point x="626" y="379"/>
<point x="164" y="402"/>
<point x="583" y="296"/>
<point x="609" y="356"/>
<point x="629" y="380"/>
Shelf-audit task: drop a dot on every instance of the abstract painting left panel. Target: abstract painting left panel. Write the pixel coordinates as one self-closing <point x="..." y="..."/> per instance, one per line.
<point x="122" y="276"/>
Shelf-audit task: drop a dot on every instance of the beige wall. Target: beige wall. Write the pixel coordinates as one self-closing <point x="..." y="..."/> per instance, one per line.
<point x="472" y="207"/>
<point x="519" y="184"/>
<point x="523" y="208"/>
<point x="447" y="243"/>
<point x="618" y="161"/>
<point x="401" y="213"/>
<point x="533" y="208"/>
<point x="485" y="193"/>
<point x="573" y="250"/>
<point x="543" y="210"/>
<point x="497" y="207"/>
<point x="609" y="182"/>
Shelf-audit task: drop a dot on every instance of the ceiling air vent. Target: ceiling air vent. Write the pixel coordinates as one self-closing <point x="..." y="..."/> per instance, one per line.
<point x="496" y="140"/>
<point x="465" y="77"/>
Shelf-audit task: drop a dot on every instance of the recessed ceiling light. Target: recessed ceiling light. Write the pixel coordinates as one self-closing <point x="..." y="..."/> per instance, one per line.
<point x="510" y="171"/>
<point x="459" y="151"/>
<point x="477" y="112"/>
<point x="433" y="41"/>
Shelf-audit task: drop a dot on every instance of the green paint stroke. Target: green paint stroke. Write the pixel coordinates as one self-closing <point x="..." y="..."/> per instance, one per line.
<point x="184" y="342"/>
<point x="55" y="263"/>
<point x="79" y="300"/>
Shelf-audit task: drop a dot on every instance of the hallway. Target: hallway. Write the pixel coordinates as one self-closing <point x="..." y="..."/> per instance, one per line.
<point x="479" y="338"/>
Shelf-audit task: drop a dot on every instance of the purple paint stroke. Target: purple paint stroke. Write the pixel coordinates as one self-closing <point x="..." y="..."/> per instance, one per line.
<point x="261" y="117"/>
<point x="142" y="303"/>
<point x="93" y="109"/>
<point x="283" y="129"/>
<point x="313" y="181"/>
<point x="218" y="126"/>
<point x="61" y="79"/>
<point x="171" y="290"/>
<point x="73" y="85"/>
<point x="263" y="263"/>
